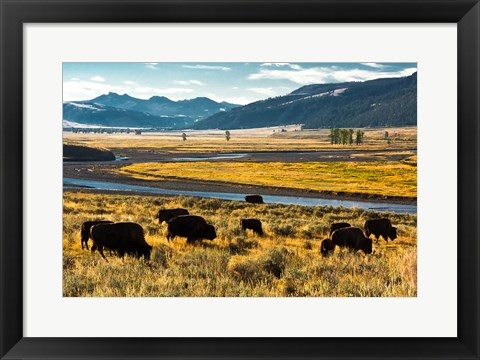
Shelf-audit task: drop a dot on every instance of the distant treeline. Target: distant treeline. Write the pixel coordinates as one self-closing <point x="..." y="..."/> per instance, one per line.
<point x="112" y="130"/>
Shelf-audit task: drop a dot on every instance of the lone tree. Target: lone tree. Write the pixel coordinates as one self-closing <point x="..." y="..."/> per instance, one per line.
<point x="184" y="136"/>
<point x="227" y="135"/>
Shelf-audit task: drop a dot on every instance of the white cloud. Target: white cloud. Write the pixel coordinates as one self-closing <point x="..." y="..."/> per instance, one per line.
<point x="98" y="79"/>
<point x="207" y="67"/>
<point x="151" y="65"/>
<point x="74" y="79"/>
<point x="188" y="82"/>
<point x="147" y="92"/>
<point x="280" y="64"/>
<point x="374" y="65"/>
<point x="264" y="91"/>
<point x="326" y="75"/>
<point x="235" y="88"/>
<point x="75" y="90"/>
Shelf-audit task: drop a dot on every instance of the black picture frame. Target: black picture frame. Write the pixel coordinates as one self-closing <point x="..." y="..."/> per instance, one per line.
<point x="14" y="13"/>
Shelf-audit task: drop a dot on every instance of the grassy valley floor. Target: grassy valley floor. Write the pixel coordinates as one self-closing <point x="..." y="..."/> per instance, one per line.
<point x="286" y="262"/>
<point x="379" y="178"/>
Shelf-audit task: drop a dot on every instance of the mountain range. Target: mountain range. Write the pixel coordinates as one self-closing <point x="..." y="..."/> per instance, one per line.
<point x="126" y="111"/>
<point x="379" y="102"/>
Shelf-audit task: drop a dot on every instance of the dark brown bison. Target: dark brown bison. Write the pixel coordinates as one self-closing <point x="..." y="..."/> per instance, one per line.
<point x="380" y="227"/>
<point x="192" y="227"/>
<point x="123" y="237"/>
<point x="254" y="199"/>
<point x="337" y="226"/>
<point x="168" y="214"/>
<point x="85" y="232"/>
<point x="352" y="238"/>
<point x="326" y="247"/>
<point x="253" y="224"/>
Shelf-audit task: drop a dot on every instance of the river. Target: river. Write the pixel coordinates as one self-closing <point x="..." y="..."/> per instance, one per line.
<point x="269" y="199"/>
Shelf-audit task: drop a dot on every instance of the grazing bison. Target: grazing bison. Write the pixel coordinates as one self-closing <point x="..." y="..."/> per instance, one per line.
<point x="190" y="226"/>
<point x="337" y="226"/>
<point x="326" y="247"/>
<point x="85" y="232"/>
<point x="380" y="227"/>
<point x="123" y="237"/>
<point x="352" y="238"/>
<point x="254" y="199"/>
<point x="168" y="214"/>
<point x="253" y="224"/>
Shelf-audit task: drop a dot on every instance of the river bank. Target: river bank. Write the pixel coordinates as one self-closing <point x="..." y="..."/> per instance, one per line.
<point x="108" y="173"/>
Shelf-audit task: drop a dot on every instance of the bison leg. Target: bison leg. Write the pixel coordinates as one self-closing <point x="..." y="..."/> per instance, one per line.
<point x="94" y="247"/>
<point x="100" y="250"/>
<point x="191" y="240"/>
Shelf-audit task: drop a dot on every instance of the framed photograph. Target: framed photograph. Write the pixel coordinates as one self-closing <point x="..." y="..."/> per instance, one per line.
<point x="239" y="180"/>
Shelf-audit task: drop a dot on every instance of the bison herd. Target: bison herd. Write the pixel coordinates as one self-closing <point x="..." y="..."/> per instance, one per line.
<point x="343" y="235"/>
<point x="128" y="237"/>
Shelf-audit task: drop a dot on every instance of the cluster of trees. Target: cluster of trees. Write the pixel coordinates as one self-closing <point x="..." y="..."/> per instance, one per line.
<point x="345" y="136"/>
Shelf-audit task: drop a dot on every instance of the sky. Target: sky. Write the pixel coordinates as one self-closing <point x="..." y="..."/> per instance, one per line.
<point x="237" y="83"/>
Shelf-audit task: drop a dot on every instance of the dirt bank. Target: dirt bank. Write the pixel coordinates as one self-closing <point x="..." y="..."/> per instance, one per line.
<point x="107" y="173"/>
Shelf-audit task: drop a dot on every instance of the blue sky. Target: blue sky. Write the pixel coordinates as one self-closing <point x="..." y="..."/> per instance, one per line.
<point x="239" y="83"/>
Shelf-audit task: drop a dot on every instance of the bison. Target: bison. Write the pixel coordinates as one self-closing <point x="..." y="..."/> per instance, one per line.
<point x="326" y="247"/>
<point x="337" y="226"/>
<point x="254" y="199"/>
<point x="380" y="227"/>
<point x="190" y="226"/>
<point x="85" y="232"/>
<point x="253" y="224"/>
<point x="352" y="238"/>
<point x="168" y="214"/>
<point x="123" y="237"/>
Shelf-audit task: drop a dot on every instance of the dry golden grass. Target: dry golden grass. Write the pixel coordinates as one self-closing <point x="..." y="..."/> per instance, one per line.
<point x="372" y="178"/>
<point x="286" y="262"/>
<point x="246" y="140"/>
